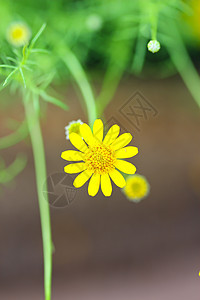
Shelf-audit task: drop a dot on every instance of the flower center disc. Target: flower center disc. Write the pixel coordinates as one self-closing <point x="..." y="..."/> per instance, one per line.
<point x="17" y="33"/>
<point x="100" y="159"/>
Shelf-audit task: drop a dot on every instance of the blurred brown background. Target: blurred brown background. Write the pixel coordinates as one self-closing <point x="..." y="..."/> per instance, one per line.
<point x="112" y="248"/>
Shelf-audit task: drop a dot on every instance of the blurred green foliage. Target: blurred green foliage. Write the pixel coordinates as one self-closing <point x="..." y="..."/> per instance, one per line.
<point x="91" y="38"/>
<point x="99" y="32"/>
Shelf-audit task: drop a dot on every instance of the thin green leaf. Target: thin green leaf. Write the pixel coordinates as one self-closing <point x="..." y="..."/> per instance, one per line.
<point x="16" y="52"/>
<point x="27" y="68"/>
<point x="53" y="100"/>
<point x="46" y="80"/>
<point x="40" y="51"/>
<point x="15" y="137"/>
<point x="24" y="51"/>
<point x="23" y="78"/>
<point x="30" y="62"/>
<point x="13" y="169"/>
<point x="37" y="36"/>
<point x="7" y="66"/>
<point x="9" y="77"/>
<point x="12" y="59"/>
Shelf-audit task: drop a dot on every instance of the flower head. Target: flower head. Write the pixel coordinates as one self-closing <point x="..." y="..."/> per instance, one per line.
<point x="153" y="46"/>
<point x="18" y="34"/>
<point x="137" y="187"/>
<point x="100" y="158"/>
<point x="73" y="126"/>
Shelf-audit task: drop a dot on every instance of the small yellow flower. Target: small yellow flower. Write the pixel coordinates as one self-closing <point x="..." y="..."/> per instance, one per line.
<point x="100" y="157"/>
<point x="73" y="126"/>
<point x="18" y="34"/>
<point x="193" y="18"/>
<point x="137" y="187"/>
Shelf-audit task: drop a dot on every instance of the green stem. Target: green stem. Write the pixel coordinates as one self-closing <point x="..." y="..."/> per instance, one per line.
<point x="15" y="137"/>
<point x="9" y="173"/>
<point x="80" y="77"/>
<point x="113" y="74"/>
<point x="140" y="51"/>
<point x="154" y="20"/>
<point x="184" y="64"/>
<point x="40" y="168"/>
<point x="110" y="84"/>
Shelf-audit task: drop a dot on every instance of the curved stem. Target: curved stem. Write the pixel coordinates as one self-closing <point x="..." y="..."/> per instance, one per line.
<point x="40" y="168"/>
<point x="79" y="75"/>
<point x="9" y="173"/>
<point x="15" y="137"/>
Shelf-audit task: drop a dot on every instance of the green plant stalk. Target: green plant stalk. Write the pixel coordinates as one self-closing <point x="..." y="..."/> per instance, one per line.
<point x="40" y="169"/>
<point x="113" y="75"/>
<point x="140" y="51"/>
<point x="80" y="77"/>
<point x="188" y="73"/>
<point x="15" y="137"/>
<point x="184" y="64"/>
<point x="153" y="8"/>
<point x="110" y="84"/>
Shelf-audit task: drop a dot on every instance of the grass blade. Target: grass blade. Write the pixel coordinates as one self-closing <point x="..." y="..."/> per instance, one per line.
<point x="53" y="100"/>
<point x="23" y="78"/>
<point x="37" y="36"/>
<point x="9" y="76"/>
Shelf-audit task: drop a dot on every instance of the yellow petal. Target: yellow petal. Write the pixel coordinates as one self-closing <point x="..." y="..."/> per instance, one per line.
<point x="78" y="142"/>
<point x="82" y="178"/>
<point x="98" y="130"/>
<point x="126" y="152"/>
<point x="72" y="155"/>
<point x="106" y="185"/>
<point x="111" y="135"/>
<point x="75" y="168"/>
<point x="117" y="178"/>
<point x="93" y="186"/>
<point x="125" y="166"/>
<point x="86" y="133"/>
<point x="122" y="141"/>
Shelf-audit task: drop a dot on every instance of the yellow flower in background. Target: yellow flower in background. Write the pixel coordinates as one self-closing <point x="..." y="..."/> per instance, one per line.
<point x="73" y="126"/>
<point x="101" y="158"/>
<point x="137" y="187"/>
<point x="18" y="34"/>
<point x="194" y="18"/>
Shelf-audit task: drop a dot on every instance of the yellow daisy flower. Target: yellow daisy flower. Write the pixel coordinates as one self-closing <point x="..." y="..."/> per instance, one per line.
<point x="137" y="187"/>
<point x="101" y="158"/>
<point x="18" y="34"/>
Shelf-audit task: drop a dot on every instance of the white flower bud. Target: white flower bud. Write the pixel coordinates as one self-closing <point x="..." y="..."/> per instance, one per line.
<point x="73" y="126"/>
<point x="153" y="46"/>
<point x="94" y="22"/>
